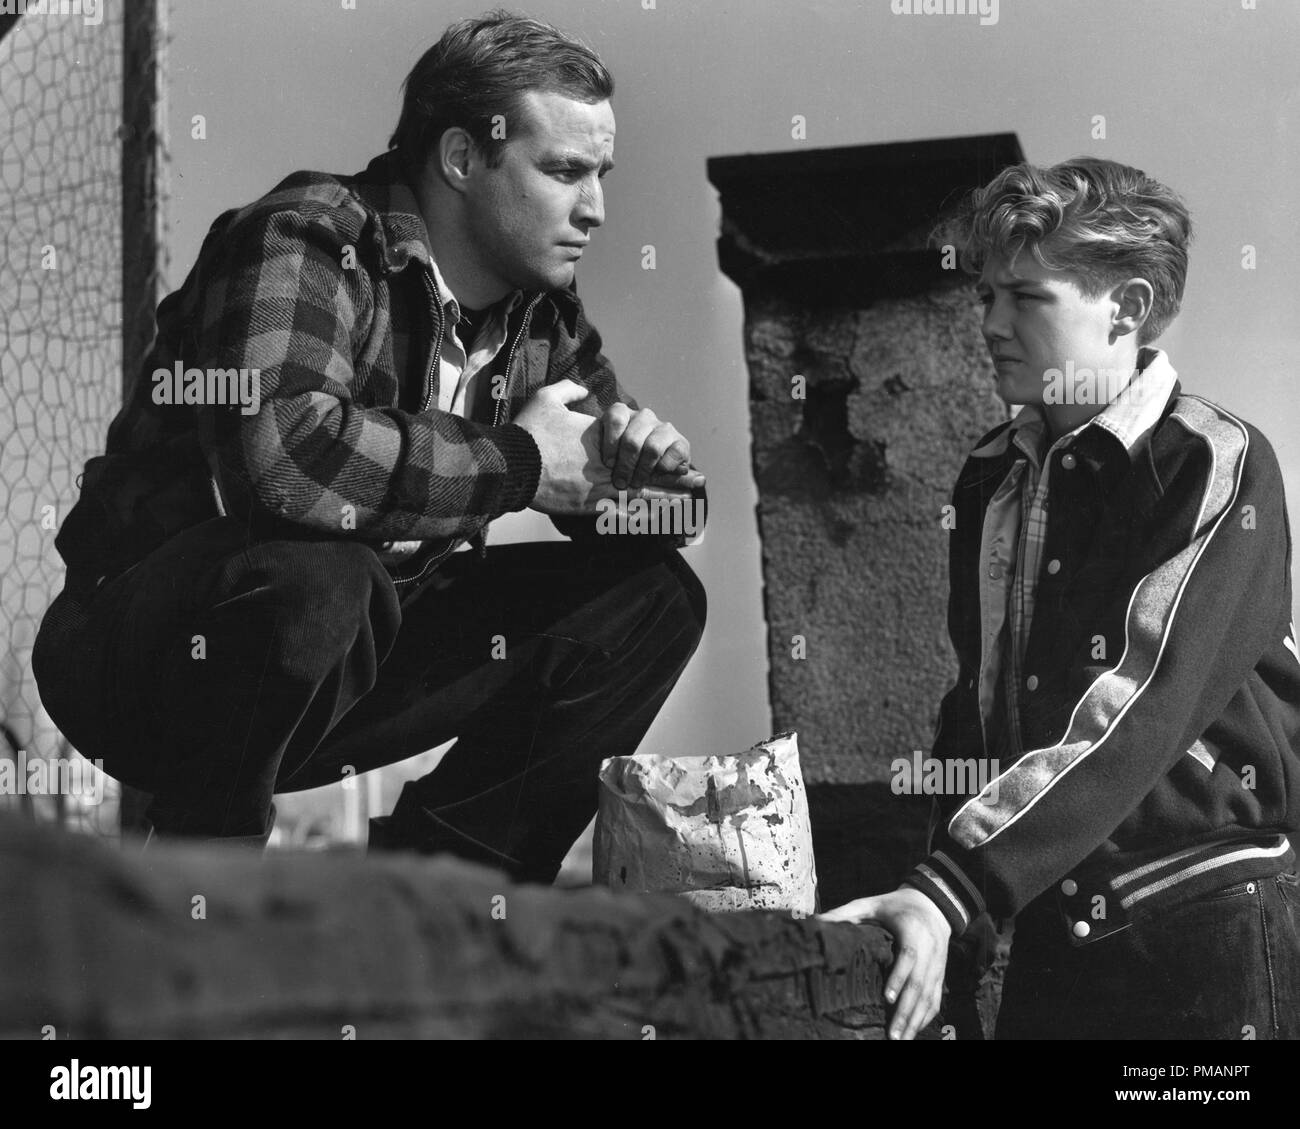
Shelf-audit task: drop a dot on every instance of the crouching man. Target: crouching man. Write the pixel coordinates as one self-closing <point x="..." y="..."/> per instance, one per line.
<point x="268" y="600"/>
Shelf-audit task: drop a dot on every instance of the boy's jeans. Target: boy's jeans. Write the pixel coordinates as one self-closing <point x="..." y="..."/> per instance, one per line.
<point x="1223" y="966"/>
<point x="218" y="672"/>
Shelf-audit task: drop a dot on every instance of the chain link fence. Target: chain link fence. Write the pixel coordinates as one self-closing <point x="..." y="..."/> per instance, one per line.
<point x="61" y="357"/>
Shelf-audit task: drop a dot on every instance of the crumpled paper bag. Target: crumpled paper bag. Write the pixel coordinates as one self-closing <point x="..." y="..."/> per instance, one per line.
<point x="728" y="833"/>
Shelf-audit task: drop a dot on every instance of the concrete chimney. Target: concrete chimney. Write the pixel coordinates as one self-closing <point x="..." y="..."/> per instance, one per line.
<point x="869" y="383"/>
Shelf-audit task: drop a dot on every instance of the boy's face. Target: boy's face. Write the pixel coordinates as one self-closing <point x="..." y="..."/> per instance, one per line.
<point x="1035" y="320"/>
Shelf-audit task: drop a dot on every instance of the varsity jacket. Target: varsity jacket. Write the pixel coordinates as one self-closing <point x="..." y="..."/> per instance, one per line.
<point x="325" y="287"/>
<point x="1159" y="715"/>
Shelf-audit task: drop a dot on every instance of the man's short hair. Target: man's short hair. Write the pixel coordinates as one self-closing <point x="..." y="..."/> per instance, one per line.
<point x="476" y="75"/>
<point x="1099" y="220"/>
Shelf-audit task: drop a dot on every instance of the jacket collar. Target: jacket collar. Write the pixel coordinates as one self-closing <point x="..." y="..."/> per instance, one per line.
<point x="383" y="187"/>
<point x="1127" y="421"/>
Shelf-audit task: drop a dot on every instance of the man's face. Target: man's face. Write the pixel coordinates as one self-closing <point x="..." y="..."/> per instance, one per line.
<point x="531" y="216"/>
<point x="1036" y="319"/>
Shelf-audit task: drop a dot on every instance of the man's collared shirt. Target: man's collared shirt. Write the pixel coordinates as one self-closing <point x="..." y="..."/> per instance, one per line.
<point x="463" y="369"/>
<point x="463" y="365"/>
<point x="1015" y="529"/>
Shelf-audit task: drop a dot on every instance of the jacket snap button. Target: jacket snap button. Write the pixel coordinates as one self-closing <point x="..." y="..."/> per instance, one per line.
<point x="1069" y="887"/>
<point x="995" y="573"/>
<point x="1082" y="929"/>
<point x="1032" y="682"/>
<point x="1069" y="461"/>
<point x="1053" y="567"/>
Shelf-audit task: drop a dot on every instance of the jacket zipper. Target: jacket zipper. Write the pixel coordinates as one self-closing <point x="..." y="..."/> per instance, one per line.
<point x="510" y="358"/>
<point x="496" y="415"/>
<point x="431" y="377"/>
<point x="430" y="383"/>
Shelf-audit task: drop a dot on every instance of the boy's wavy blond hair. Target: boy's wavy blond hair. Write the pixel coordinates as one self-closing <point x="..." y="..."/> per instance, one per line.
<point x="1099" y="220"/>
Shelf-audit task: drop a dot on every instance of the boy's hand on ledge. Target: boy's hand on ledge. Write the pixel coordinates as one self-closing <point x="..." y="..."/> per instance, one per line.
<point x="921" y="935"/>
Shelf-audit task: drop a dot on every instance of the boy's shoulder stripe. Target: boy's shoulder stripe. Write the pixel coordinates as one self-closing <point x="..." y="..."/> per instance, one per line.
<point x="1227" y="439"/>
<point x="1226" y="433"/>
<point x="1225" y="430"/>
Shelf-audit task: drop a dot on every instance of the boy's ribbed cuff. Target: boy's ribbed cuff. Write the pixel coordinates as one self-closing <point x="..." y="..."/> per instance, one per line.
<point x="941" y="880"/>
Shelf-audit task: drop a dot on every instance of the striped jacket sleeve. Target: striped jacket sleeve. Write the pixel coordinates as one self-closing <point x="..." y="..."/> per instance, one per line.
<point x="278" y="300"/>
<point x="1195" y="625"/>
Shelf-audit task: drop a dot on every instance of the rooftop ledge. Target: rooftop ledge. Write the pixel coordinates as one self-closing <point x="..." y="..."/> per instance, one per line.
<point x="215" y="942"/>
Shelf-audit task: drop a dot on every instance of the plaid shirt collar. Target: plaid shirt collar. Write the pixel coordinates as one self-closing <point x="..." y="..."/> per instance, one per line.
<point x="383" y="187"/>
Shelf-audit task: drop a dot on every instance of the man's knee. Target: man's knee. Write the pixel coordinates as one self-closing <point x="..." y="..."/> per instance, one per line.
<point x="692" y="591"/>
<point x="337" y="576"/>
<point x="322" y="598"/>
<point x="685" y="604"/>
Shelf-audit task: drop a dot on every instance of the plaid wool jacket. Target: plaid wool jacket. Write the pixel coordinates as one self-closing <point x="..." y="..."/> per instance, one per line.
<point x="325" y="287"/>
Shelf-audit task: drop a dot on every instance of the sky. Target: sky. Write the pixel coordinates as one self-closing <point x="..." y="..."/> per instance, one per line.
<point x="1202" y="94"/>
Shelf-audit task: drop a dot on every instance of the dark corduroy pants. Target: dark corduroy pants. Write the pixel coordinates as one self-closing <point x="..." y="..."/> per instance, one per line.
<point x="216" y="673"/>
